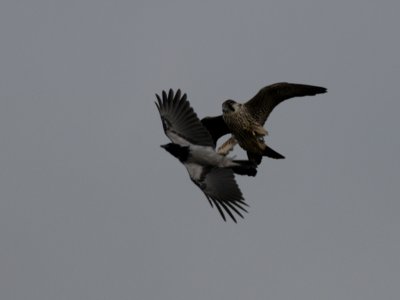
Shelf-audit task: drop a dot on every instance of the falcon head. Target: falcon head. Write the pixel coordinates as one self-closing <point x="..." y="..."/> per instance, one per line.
<point x="230" y="106"/>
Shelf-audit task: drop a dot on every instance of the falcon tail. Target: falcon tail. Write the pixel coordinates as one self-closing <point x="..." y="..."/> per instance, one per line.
<point x="245" y="167"/>
<point x="269" y="152"/>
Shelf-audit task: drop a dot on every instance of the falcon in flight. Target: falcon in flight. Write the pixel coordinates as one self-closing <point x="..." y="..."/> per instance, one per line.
<point x="193" y="144"/>
<point x="245" y="120"/>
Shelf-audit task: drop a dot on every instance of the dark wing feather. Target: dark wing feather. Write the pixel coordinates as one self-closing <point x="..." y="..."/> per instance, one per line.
<point x="180" y="122"/>
<point x="221" y="190"/>
<point x="261" y="105"/>
<point x="216" y="126"/>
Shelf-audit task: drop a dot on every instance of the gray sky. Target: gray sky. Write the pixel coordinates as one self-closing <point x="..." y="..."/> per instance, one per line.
<point x="92" y="208"/>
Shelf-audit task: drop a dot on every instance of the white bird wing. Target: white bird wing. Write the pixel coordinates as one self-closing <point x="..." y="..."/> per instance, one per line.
<point x="180" y="122"/>
<point x="220" y="188"/>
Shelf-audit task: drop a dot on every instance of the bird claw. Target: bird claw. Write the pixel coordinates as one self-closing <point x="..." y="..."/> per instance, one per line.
<point x="227" y="146"/>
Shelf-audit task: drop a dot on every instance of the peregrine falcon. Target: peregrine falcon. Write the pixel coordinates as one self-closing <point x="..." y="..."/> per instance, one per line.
<point x="194" y="146"/>
<point x="245" y="120"/>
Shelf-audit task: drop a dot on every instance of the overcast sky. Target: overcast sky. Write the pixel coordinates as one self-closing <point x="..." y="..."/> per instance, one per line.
<point x="92" y="208"/>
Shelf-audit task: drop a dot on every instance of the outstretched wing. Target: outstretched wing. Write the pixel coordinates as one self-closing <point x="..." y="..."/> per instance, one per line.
<point x="180" y="122"/>
<point x="221" y="190"/>
<point x="216" y="126"/>
<point x="261" y="105"/>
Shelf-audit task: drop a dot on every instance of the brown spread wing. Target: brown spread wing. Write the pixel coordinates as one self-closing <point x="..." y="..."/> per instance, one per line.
<point x="261" y="105"/>
<point x="216" y="126"/>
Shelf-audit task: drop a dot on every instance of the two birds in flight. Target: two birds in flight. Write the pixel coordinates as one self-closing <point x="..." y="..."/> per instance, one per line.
<point x="194" y="141"/>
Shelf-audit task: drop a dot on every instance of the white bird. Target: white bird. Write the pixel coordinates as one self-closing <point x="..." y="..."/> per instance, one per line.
<point x="194" y="146"/>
